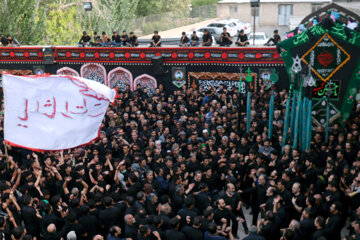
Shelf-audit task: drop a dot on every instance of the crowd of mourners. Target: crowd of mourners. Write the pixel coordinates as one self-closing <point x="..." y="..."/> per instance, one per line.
<point x="181" y="167"/>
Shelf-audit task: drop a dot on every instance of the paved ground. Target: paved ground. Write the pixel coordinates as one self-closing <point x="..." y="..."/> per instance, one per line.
<point x="176" y="32"/>
<point x="248" y="217"/>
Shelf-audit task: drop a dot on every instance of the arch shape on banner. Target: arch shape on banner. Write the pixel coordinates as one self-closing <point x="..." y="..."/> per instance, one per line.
<point x="67" y="71"/>
<point x="94" y="71"/>
<point x="120" y="77"/>
<point x="146" y="81"/>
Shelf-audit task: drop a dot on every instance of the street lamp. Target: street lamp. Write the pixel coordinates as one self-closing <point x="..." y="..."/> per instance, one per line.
<point x="88" y="8"/>
<point x="254" y="4"/>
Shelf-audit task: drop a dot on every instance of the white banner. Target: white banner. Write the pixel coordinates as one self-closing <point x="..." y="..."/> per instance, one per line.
<point x="53" y="112"/>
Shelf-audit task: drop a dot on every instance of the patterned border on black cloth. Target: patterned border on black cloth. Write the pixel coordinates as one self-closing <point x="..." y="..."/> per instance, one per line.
<point x="144" y="55"/>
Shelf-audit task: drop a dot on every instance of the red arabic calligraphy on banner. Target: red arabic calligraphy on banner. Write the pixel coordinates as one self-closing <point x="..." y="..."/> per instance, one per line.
<point x="51" y="108"/>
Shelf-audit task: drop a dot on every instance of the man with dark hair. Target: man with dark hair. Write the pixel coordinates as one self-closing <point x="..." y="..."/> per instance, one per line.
<point x="133" y="40"/>
<point x="194" y="40"/>
<point x="184" y="40"/>
<point x="4" y="231"/>
<point x="109" y="215"/>
<point x="173" y="232"/>
<point x="242" y="39"/>
<point x="84" y="40"/>
<point x="114" y="233"/>
<point x="155" y="40"/>
<point x="206" y="39"/>
<point x="96" y="41"/>
<point x="30" y="216"/>
<point x="333" y="223"/>
<point x="124" y="39"/>
<point x="274" y="40"/>
<point x="18" y="233"/>
<point x="193" y="232"/>
<point x="225" y="38"/>
<point x="116" y="41"/>
<point x="319" y="224"/>
<point x="214" y="234"/>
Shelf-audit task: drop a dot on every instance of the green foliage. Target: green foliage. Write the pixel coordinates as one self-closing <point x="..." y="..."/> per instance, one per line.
<point x="114" y="14"/>
<point x="198" y="3"/>
<point x="22" y="19"/>
<point x="62" y="26"/>
<point x="61" y="22"/>
<point x="150" y="7"/>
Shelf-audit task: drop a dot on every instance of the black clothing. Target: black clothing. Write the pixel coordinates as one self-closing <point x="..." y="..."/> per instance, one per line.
<point x="225" y="213"/>
<point x="52" y="236"/>
<point x="317" y="234"/>
<point x="133" y="41"/>
<point x="31" y="221"/>
<point x="173" y="234"/>
<point x="108" y="217"/>
<point x="242" y="38"/>
<point x="85" y="39"/>
<point x="116" y="38"/>
<point x="333" y="228"/>
<point x="192" y="233"/>
<point x="131" y="231"/>
<point x="124" y="39"/>
<point x="207" y="37"/>
<point x="90" y="224"/>
<point x="195" y="38"/>
<point x="184" y="39"/>
<point x="307" y="227"/>
<point x="156" y="39"/>
<point x="275" y="39"/>
<point x="224" y="41"/>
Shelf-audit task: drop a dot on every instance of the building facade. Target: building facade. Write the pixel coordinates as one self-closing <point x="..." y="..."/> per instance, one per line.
<point x="270" y="12"/>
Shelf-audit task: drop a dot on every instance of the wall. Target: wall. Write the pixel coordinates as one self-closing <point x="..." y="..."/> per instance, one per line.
<point x="268" y="12"/>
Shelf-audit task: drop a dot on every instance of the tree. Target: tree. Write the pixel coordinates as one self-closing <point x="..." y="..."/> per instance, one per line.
<point x="24" y="20"/>
<point x="62" y="25"/>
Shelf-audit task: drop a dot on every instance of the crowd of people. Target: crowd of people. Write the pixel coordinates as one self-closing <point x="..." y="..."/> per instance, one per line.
<point x="182" y="167"/>
<point x="8" y="41"/>
<point x="207" y="40"/>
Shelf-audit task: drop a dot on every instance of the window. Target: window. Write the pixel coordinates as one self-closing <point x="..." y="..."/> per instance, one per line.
<point x="315" y="7"/>
<point x="233" y="9"/>
<point x="285" y="12"/>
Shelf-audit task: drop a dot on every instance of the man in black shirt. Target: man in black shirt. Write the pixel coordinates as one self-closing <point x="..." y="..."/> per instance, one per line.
<point x="155" y="40"/>
<point x="242" y="39"/>
<point x="225" y="38"/>
<point x="274" y="40"/>
<point x="133" y="41"/>
<point x="174" y="233"/>
<point x="193" y="232"/>
<point x="206" y="39"/>
<point x="116" y="41"/>
<point x="124" y="39"/>
<point x="184" y="40"/>
<point x="97" y="40"/>
<point x="84" y="40"/>
<point x="194" y="41"/>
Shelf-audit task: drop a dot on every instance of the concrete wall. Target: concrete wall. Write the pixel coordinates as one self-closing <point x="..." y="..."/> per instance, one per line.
<point x="268" y="15"/>
<point x="268" y="12"/>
